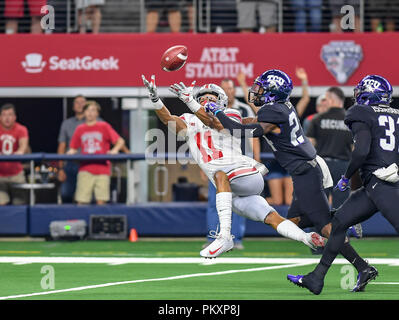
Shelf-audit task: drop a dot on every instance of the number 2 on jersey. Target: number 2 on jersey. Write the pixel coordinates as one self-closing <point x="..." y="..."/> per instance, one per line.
<point x="388" y="143"/>
<point x="209" y="152"/>
<point x="293" y="120"/>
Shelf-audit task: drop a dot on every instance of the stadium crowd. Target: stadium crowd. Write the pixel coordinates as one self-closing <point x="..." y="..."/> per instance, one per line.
<point x="181" y="16"/>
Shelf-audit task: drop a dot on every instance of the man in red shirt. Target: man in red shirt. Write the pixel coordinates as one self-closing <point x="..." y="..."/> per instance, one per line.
<point x="94" y="137"/>
<point x="14" y="139"/>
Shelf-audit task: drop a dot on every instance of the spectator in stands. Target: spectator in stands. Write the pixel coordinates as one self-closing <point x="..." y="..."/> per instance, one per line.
<point x="321" y="106"/>
<point x="379" y="10"/>
<point x="94" y="137"/>
<point x="333" y="140"/>
<point x="14" y="10"/>
<point x="89" y="14"/>
<point x="68" y="171"/>
<point x="267" y="14"/>
<point x="300" y="7"/>
<point x="154" y="9"/>
<point x="335" y="6"/>
<point x="14" y="139"/>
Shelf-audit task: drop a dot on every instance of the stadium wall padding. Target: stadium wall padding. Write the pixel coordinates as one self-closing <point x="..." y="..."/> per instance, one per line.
<point x="151" y="219"/>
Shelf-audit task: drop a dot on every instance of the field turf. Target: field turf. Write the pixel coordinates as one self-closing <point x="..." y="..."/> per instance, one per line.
<point x="171" y="269"/>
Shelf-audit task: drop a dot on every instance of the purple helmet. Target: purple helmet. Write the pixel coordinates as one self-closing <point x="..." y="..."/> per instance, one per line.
<point x="373" y="90"/>
<point x="270" y="87"/>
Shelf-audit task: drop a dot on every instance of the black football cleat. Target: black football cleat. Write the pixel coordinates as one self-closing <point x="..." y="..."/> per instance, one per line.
<point x="308" y="281"/>
<point x="364" y="277"/>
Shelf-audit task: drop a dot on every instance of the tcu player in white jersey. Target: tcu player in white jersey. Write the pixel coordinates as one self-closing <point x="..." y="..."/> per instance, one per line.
<point x="238" y="179"/>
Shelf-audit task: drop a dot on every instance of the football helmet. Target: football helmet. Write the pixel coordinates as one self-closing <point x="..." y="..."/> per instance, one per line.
<point x="211" y="88"/>
<point x="373" y="90"/>
<point x="272" y="86"/>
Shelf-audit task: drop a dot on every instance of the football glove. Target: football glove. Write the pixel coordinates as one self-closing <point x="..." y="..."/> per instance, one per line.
<point x="184" y="93"/>
<point x="151" y="87"/>
<point x="212" y="107"/>
<point x="342" y="184"/>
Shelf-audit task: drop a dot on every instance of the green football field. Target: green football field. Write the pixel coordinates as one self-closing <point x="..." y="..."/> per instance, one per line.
<point x="171" y="269"/>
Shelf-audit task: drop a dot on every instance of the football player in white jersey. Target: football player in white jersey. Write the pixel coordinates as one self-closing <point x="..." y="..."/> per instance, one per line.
<point x="238" y="179"/>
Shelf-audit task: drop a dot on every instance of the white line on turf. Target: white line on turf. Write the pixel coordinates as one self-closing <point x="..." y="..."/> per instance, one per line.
<point x="384" y="283"/>
<point x="180" y="260"/>
<point x="152" y="280"/>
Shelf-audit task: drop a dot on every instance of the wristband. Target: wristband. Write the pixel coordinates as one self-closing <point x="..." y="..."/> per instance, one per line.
<point x="194" y="106"/>
<point x="216" y="112"/>
<point x="158" y="104"/>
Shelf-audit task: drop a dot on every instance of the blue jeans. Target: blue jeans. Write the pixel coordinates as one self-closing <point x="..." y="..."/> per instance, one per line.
<point x="68" y="187"/>
<point x="212" y="218"/>
<point x="314" y="7"/>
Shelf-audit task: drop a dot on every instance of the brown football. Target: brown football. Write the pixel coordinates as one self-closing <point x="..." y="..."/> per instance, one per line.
<point x="174" y="58"/>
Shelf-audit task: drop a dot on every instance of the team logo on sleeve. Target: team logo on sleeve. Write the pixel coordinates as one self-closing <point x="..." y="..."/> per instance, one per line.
<point x="342" y="58"/>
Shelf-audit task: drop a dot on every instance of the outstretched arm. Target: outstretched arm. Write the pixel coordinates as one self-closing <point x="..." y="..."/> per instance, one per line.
<point x="185" y="94"/>
<point x="305" y="99"/>
<point x="162" y="112"/>
<point x="252" y="128"/>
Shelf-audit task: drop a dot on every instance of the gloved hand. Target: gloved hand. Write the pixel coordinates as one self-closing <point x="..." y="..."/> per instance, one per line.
<point x="152" y="88"/>
<point x="342" y="184"/>
<point x="184" y="93"/>
<point x="212" y="107"/>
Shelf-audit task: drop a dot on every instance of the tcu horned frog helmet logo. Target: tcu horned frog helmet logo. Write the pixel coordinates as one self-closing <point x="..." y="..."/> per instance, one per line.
<point x="342" y="58"/>
<point x="33" y="63"/>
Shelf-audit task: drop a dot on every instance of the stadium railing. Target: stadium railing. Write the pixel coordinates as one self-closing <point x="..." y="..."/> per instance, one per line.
<point x="131" y="182"/>
<point x="209" y="16"/>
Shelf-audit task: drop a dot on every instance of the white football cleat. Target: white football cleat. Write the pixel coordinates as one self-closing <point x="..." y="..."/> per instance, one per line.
<point x="313" y="240"/>
<point x="217" y="247"/>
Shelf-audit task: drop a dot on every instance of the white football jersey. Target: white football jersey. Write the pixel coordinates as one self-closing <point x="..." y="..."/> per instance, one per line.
<point x="214" y="150"/>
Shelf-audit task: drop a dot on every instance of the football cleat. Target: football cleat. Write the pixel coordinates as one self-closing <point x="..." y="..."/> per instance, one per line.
<point x="313" y="240"/>
<point x="308" y="281"/>
<point x="364" y="277"/>
<point x="356" y="231"/>
<point x="218" y="246"/>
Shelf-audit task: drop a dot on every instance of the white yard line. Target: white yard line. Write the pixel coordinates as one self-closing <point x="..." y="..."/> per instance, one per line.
<point x="152" y="280"/>
<point x="394" y="283"/>
<point x="180" y="260"/>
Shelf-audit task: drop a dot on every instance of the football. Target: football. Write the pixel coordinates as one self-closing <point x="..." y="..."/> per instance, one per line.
<point x="174" y="58"/>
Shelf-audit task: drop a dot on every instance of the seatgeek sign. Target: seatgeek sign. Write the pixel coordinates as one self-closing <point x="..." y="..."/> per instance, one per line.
<point x="119" y="60"/>
<point x="34" y="63"/>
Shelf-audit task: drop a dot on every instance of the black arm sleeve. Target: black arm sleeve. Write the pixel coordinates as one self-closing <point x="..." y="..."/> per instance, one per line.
<point x="238" y="129"/>
<point x="362" y="138"/>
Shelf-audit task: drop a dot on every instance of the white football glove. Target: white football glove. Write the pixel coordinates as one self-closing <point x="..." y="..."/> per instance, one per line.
<point x="152" y="92"/>
<point x="183" y="93"/>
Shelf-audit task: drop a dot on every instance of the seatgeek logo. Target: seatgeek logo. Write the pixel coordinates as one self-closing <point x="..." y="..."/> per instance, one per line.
<point x="34" y="63"/>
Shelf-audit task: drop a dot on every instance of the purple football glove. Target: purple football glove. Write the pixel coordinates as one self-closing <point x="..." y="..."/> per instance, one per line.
<point x="342" y="184"/>
<point x="212" y="107"/>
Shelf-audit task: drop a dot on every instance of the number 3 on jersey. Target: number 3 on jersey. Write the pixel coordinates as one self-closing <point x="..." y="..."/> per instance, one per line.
<point x="388" y="143"/>
<point x="293" y="120"/>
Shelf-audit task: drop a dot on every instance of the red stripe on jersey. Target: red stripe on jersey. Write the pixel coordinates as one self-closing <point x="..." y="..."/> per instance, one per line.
<point x="240" y="171"/>
<point x="234" y="115"/>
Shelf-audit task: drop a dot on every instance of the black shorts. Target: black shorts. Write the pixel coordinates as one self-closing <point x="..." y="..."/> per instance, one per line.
<point x="377" y="196"/>
<point x="156" y="5"/>
<point x="309" y="202"/>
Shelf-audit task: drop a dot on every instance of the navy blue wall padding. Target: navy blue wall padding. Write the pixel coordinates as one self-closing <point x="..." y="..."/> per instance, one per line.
<point x="181" y="219"/>
<point x="13" y="220"/>
<point x="150" y="219"/>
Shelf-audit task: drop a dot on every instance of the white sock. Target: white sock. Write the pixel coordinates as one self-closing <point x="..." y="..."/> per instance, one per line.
<point x="290" y="230"/>
<point x="223" y="206"/>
